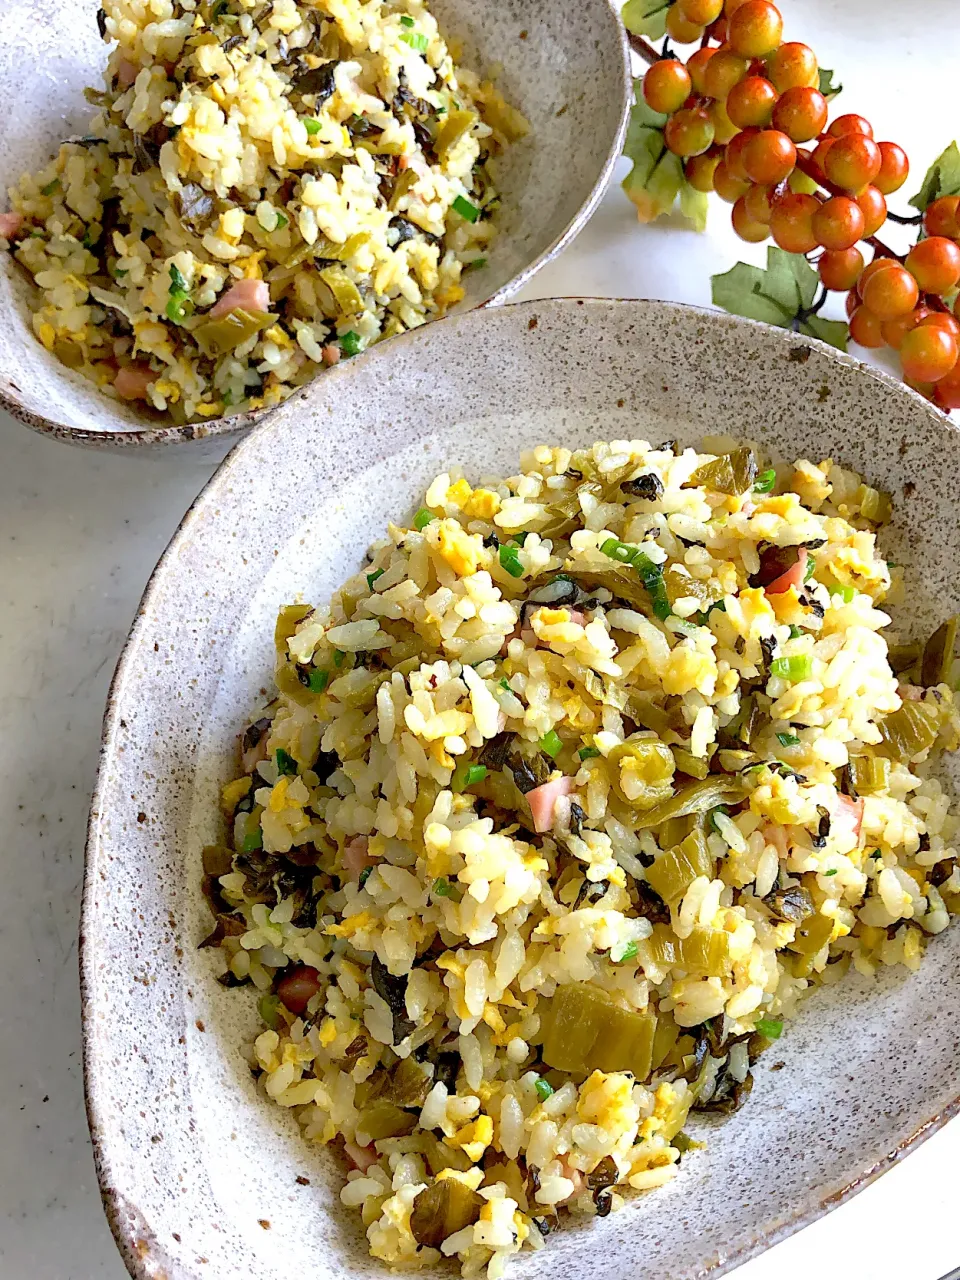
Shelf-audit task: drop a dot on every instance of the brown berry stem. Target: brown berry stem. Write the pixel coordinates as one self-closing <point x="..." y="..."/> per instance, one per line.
<point x="645" y="50"/>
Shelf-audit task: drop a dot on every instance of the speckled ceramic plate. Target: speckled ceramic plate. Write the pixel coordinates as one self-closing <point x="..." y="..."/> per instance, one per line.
<point x="201" y="1179"/>
<point x="566" y="66"/>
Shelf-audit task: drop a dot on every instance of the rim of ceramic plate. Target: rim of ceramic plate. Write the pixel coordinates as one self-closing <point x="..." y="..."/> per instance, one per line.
<point x="160" y="436"/>
<point x="138" y="1248"/>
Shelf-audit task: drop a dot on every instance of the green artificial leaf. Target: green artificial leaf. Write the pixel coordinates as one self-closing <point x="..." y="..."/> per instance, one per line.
<point x="942" y="179"/>
<point x="834" y="332"/>
<point x="656" y="179"/>
<point x="646" y="17"/>
<point x="694" y="205"/>
<point x="774" y="294"/>
<point x="827" y="87"/>
<point x="778" y="294"/>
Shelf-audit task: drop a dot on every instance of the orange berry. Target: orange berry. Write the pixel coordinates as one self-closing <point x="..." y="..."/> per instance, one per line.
<point x="942" y="217"/>
<point x="750" y="103"/>
<point x="700" y="170"/>
<point x="894" y="168"/>
<point x="666" y="86"/>
<point x="850" y="124"/>
<point x="793" y="66"/>
<point x="935" y="264"/>
<point x="758" y="205"/>
<point x="697" y="66"/>
<point x="769" y="157"/>
<point x="727" y="186"/>
<point x="700" y="12"/>
<point x="890" y="293"/>
<point x="754" y="29"/>
<point x="874" y="209"/>
<point x="745" y="226"/>
<point x="840" y="268"/>
<point x="791" y="222"/>
<point x="679" y="29"/>
<point x="801" y="113"/>
<point x="838" y="223"/>
<point x="894" y="331"/>
<point x="928" y="353"/>
<point x="865" y="328"/>
<point x="723" y="71"/>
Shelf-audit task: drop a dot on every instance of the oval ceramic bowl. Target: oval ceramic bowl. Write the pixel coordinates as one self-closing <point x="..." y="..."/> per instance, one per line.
<point x="566" y="66"/>
<point x="203" y="1179"/>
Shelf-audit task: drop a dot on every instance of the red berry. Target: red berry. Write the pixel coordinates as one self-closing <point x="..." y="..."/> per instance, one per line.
<point x="935" y="264"/>
<point x="942" y="217"/>
<point x="894" y="167"/>
<point x="688" y="132"/>
<point x="894" y="331"/>
<point x="874" y="208"/>
<point x="745" y="227"/>
<point x="666" y="86"/>
<point x="723" y="71"/>
<point x="727" y="186"/>
<point x="750" y="103"/>
<point x="754" y="29"/>
<point x="791" y="222"/>
<point x="769" y="157"/>
<point x="840" y="268"/>
<point x="838" y="223"/>
<point x="793" y="66"/>
<point x="801" y="113"/>
<point x="928" y="353"/>
<point x="850" y="124"/>
<point x="865" y="328"/>
<point x="890" y="292"/>
<point x="852" y="161"/>
<point x="700" y="170"/>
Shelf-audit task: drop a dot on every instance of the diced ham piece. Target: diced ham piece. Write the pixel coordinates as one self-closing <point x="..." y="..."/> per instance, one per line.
<point x="361" y="1157"/>
<point x="331" y="353"/>
<point x="127" y="72"/>
<point x="793" y="577"/>
<point x="10" y="224"/>
<point x="543" y="801"/>
<point x="910" y="692"/>
<point x="132" y="381"/>
<point x="355" y="857"/>
<point x="245" y="295"/>
<point x="298" y="986"/>
<point x="403" y="162"/>
<point x="578" y="617"/>
<point x="849" y="814"/>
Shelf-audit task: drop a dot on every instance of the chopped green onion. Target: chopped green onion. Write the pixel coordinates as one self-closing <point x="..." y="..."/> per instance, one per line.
<point x="364" y="876"/>
<point x="831" y="872"/>
<point x="719" y="605"/>
<point x="846" y="594"/>
<point x="468" y="775"/>
<point x="796" y="668"/>
<point x="178" y="282"/>
<point x="550" y="744"/>
<point x="423" y="518"/>
<point x="770" y="1027"/>
<point x="119" y="273"/>
<point x="505" y="684"/>
<point x="218" y="9"/>
<point x="441" y="887"/>
<point x="811" y="568"/>
<point x="282" y="221"/>
<point x="520" y="538"/>
<point x="588" y="753"/>
<point x="475" y="265"/>
<point x="285" y="761"/>
<point x="628" y="953"/>
<point x="176" y="310"/>
<point x="788" y="740"/>
<point x="312" y="126"/>
<point x="268" y="1006"/>
<point x="795" y="632"/>
<point x="372" y="577"/>
<point x="406" y="20"/>
<point x="318" y="681"/>
<point x="765" y="481"/>
<point x="338" y="657"/>
<point x="465" y="209"/>
<point x="416" y="40"/>
<point x="544" y="1089"/>
<point x="876" y="854"/>
<point x="651" y="575"/>
<point x="510" y="560"/>
<point x="253" y="840"/>
<point x="350" y="343"/>
<point x="50" y="188"/>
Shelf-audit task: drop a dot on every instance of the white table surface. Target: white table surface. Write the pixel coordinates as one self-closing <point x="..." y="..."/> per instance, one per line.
<point x="79" y="534"/>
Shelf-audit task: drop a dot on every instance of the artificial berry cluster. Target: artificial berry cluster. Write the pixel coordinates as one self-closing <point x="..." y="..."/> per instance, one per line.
<point x="747" y="116"/>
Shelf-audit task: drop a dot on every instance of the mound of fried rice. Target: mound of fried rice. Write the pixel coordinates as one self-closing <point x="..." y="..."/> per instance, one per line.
<point x="265" y="187"/>
<point x="564" y="801"/>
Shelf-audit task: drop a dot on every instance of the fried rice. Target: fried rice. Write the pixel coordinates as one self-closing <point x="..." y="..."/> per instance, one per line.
<point x="563" y="804"/>
<point x="265" y="188"/>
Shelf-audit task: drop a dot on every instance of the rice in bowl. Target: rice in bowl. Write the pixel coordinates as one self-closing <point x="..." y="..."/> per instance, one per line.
<point x="564" y="802"/>
<point x="266" y="187"/>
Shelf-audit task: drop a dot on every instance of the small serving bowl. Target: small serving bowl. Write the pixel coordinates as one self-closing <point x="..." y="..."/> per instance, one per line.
<point x="566" y="67"/>
<point x="204" y="1180"/>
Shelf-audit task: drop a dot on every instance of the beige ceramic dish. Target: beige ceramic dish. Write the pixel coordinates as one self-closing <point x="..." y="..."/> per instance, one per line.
<point x="566" y="66"/>
<point x="204" y="1181"/>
